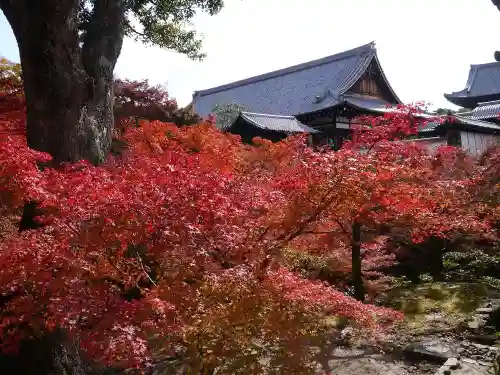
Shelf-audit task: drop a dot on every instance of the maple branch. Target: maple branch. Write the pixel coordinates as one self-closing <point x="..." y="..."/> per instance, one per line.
<point x="216" y="255"/>
<point x="329" y="232"/>
<point x="488" y="169"/>
<point x="314" y="232"/>
<point x="72" y="228"/>
<point x="144" y="269"/>
<point x="285" y="238"/>
<point x="342" y="227"/>
<point x="372" y="146"/>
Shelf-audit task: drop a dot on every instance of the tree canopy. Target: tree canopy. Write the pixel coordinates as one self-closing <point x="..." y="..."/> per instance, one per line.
<point x="164" y="23"/>
<point x="225" y="114"/>
<point x="173" y="250"/>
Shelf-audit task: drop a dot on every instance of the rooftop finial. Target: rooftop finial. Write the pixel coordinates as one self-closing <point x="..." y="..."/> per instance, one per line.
<point x="497" y="55"/>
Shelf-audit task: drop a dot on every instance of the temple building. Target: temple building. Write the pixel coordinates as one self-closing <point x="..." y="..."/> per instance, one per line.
<point x="481" y="96"/>
<point x="319" y="97"/>
<point x="483" y="86"/>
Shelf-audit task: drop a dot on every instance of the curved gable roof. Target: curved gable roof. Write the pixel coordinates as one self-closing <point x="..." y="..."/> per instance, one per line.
<point x="285" y="124"/>
<point x="483" y="81"/>
<point x="293" y="90"/>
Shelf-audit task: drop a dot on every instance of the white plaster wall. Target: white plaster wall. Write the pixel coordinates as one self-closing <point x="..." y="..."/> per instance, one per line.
<point x="477" y="143"/>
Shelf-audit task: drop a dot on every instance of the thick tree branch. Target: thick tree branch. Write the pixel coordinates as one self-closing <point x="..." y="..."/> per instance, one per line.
<point x="104" y="37"/>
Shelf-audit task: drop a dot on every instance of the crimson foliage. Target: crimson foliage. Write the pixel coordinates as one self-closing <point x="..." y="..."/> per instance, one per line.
<point x="176" y="246"/>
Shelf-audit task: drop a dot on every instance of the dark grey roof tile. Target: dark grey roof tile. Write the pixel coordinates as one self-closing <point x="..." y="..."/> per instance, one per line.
<point x="286" y="124"/>
<point x="486" y="110"/>
<point x="298" y="89"/>
<point x="483" y="80"/>
<point x="368" y="104"/>
<point x="477" y="123"/>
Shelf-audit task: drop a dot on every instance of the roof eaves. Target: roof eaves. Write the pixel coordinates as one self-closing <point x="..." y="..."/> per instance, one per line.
<point x="266" y="115"/>
<point x="474" y="69"/>
<point x="247" y="117"/>
<point x="493" y="102"/>
<point x="477" y="123"/>
<point x="244" y="116"/>
<point x="468" y="85"/>
<point x="467" y="114"/>
<point x="386" y="80"/>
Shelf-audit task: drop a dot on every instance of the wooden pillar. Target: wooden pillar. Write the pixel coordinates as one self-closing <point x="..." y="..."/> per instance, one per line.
<point x="453" y="137"/>
<point x="337" y="143"/>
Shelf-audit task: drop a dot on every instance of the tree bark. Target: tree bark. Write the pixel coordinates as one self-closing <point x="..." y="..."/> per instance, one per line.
<point x="51" y="355"/>
<point x="357" y="275"/>
<point x="68" y="86"/>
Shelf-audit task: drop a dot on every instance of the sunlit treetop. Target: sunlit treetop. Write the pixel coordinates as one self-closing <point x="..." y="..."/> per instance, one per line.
<point x="164" y="23"/>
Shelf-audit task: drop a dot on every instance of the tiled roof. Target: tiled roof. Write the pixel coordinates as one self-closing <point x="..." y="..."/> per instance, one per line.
<point x="429" y="126"/>
<point x="477" y="123"/>
<point x="298" y="89"/>
<point x="354" y="100"/>
<point x="285" y="124"/>
<point x="462" y="120"/>
<point x="368" y="104"/>
<point x="483" y="80"/>
<point x="486" y="110"/>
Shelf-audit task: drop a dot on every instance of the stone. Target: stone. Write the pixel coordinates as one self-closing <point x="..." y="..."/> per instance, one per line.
<point x="485" y="310"/>
<point x="468" y="360"/>
<point x="484" y="339"/>
<point x="452" y="363"/>
<point x="432" y="350"/>
<point x="477" y="322"/>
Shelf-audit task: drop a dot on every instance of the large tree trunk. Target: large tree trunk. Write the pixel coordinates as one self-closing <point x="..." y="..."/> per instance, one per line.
<point x="357" y="274"/>
<point x="68" y="87"/>
<point x="51" y="355"/>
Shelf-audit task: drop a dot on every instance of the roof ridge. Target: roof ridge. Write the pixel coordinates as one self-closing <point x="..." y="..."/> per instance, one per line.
<point x="302" y="126"/>
<point x="460" y="115"/>
<point x="354" y="75"/>
<point x="485" y="64"/>
<point x="472" y="76"/>
<point x="267" y="115"/>
<point x="487" y="103"/>
<point x="370" y="47"/>
<point x="384" y="77"/>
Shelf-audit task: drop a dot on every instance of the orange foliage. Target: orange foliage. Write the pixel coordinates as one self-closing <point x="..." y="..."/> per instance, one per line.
<point x="174" y="248"/>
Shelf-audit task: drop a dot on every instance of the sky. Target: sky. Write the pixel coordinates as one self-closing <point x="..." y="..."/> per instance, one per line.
<point x="425" y="46"/>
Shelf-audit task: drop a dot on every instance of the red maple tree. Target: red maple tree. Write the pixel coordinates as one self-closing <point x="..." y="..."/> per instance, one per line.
<point x="157" y="253"/>
<point x="173" y="249"/>
<point x="136" y="100"/>
<point x="349" y="204"/>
